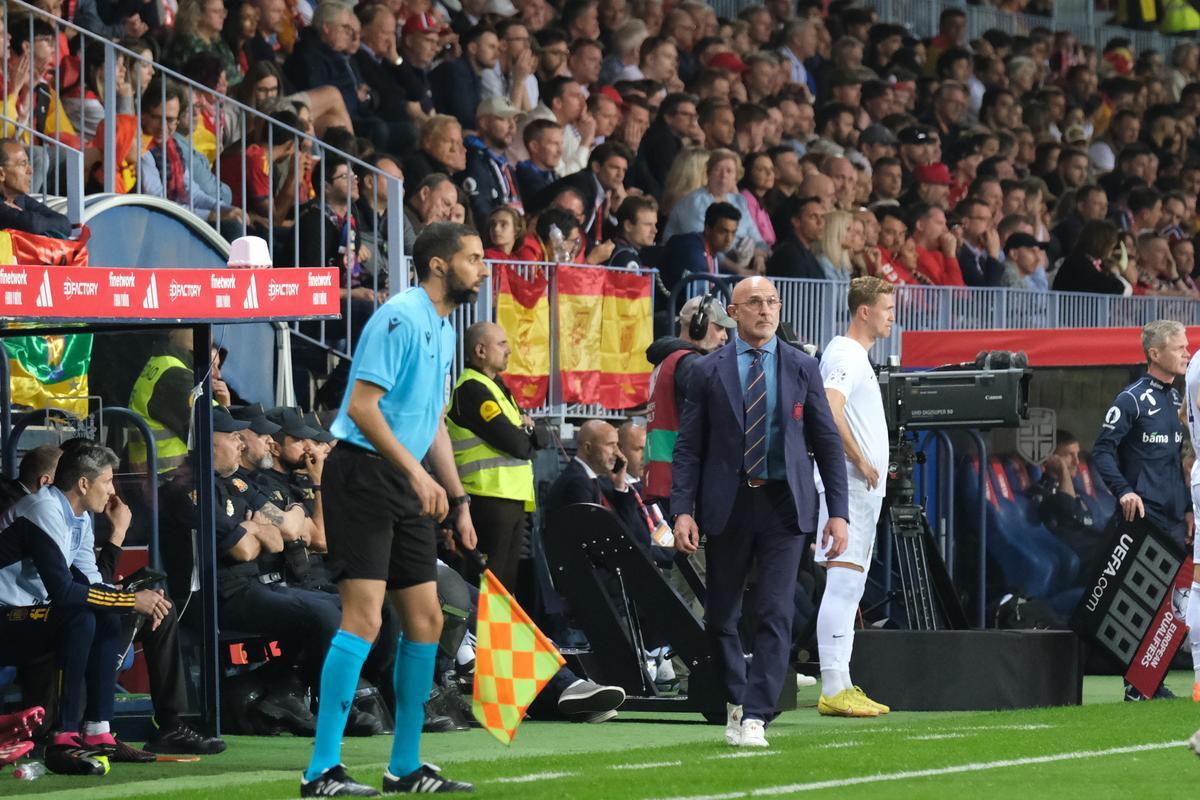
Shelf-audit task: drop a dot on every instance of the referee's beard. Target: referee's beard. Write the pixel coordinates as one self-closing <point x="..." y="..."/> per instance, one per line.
<point x="458" y="292"/>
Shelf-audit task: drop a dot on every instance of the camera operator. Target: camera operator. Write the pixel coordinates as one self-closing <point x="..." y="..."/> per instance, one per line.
<point x="1138" y="452"/>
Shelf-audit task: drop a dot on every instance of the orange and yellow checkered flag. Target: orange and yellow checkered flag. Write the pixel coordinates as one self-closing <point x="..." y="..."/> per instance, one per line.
<point x="513" y="660"/>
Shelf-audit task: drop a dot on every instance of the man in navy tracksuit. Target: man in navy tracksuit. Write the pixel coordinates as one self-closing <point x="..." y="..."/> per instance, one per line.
<point x="1139" y="450"/>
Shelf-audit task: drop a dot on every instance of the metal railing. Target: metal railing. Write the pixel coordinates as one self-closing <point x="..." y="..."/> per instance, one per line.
<point x="230" y="118"/>
<point x="46" y="152"/>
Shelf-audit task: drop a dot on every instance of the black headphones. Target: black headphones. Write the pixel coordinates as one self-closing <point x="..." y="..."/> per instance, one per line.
<point x="698" y="326"/>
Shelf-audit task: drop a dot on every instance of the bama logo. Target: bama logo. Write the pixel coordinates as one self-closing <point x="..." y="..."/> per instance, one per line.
<point x="1160" y="438"/>
<point x="282" y="290"/>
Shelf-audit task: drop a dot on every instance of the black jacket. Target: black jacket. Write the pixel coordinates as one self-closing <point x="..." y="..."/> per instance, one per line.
<point x="457" y="90"/>
<point x="980" y="270"/>
<point x="1079" y="274"/>
<point x="313" y="64"/>
<point x="386" y="86"/>
<point x="488" y="183"/>
<point x="655" y="155"/>
<point x="33" y="217"/>
<point x="792" y="259"/>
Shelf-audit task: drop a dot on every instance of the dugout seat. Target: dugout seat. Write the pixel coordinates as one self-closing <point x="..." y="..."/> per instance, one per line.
<point x="1095" y="494"/>
<point x="1031" y="560"/>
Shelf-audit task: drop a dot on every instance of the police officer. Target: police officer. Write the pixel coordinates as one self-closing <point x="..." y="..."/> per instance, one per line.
<point x="1139" y="452"/>
<point x="493" y="442"/>
<point x="161" y="395"/>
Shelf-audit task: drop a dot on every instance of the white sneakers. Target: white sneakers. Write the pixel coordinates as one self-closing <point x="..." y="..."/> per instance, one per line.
<point x="733" y="725"/>
<point x="754" y="733"/>
<point x="743" y="732"/>
<point x="803" y="680"/>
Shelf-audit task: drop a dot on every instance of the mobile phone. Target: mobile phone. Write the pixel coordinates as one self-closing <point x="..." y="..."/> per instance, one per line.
<point x="144" y="578"/>
<point x="619" y="465"/>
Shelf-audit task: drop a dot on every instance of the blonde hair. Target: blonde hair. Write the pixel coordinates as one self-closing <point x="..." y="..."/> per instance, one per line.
<point x="866" y="290"/>
<point x="723" y="154"/>
<point x="830" y="243"/>
<point x="687" y="174"/>
<point x="435" y="127"/>
<point x="187" y="18"/>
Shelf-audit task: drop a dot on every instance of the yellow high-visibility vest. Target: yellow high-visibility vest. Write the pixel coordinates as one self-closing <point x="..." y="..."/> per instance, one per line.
<point x="484" y="470"/>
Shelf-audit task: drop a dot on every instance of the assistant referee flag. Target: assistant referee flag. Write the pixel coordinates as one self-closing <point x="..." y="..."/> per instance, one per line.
<point x="513" y="660"/>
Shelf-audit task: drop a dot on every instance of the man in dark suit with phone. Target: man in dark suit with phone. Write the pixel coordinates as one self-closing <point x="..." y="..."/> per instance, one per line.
<point x="596" y="475"/>
<point x="743" y="476"/>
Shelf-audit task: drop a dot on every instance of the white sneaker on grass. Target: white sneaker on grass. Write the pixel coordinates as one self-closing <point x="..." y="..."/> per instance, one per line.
<point x="733" y="725"/>
<point x="754" y="733"/>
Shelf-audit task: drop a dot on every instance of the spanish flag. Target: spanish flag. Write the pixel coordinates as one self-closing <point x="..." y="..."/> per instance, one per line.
<point x="523" y="311"/>
<point x="605" y="320"/>
<point x="513" y="660"/>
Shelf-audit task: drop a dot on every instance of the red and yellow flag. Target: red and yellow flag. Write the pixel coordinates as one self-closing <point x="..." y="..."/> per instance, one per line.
<point x="513" y="660"/>
<point x="605" y="321"/>
<point x="523" y="311"/>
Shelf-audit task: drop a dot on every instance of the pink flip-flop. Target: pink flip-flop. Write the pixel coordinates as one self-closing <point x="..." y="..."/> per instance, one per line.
<point x="21" y="724"/>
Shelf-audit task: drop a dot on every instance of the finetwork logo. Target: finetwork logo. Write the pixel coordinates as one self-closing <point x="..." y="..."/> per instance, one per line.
<point x="151" y="299"/>
<point x="251" y="295"/>
<point x="45" y="299"/>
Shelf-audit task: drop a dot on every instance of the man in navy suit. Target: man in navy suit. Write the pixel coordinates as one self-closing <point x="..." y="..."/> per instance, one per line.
<point x="743" y="475"/>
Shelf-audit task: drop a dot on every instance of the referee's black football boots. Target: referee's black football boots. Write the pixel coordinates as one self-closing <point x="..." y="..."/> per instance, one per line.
<point x="334" y="782"/>
<point x="426" y="779"/>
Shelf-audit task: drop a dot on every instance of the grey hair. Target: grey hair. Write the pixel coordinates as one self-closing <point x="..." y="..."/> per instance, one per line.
<point x="83" y="460"/>
<point x="1156" y="333"/>
<point x="327" y="12"/>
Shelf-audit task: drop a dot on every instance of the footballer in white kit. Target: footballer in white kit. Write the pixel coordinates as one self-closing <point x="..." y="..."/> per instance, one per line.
<point x="1192" y="404"/>
<point x="857" y="404"/>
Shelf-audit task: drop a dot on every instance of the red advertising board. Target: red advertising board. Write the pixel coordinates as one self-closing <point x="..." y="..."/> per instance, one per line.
<point x="1163" y="637"/>
<point x="100" y="294"/>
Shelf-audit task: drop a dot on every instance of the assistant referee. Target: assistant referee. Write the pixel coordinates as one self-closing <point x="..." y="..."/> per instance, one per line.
<point x="382" y="507"/>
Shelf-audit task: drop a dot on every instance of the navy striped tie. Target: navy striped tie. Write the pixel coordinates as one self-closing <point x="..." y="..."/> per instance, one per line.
<point x="754" y="459"/>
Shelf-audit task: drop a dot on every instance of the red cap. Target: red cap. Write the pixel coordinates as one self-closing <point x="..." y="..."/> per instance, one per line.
<point x="422" y="23"/>
<point x="729" y="62"/>
<point x="938" y="174"/>
<point x="612" y="94"/>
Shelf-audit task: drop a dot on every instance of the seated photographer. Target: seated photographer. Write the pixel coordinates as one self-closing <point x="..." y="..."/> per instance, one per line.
<point x="1060" y="508"/>
<point x="53" y="601"/>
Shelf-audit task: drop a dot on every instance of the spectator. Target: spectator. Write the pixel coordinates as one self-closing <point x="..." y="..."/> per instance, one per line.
<point x="701" y="251"/>
<point x="936" y="246"/>
<point x="563" y="102"/>
<point x="371" y="212"/>
<point x="489" y="180"/>
<point x="505" y="228"/>
<point x="625" y="45"/>
<point x="980" y="256"/>
<point x="432" y="202"/>
<point x="378" y="62"/>
<point x="31" y="93"/>
<point x="420" y="41"/>
<point x="267" y="197"/>
<point x="1071" y="171"/>
<point x="457" y="86"/>
<point x="584" y="63"/>
<point x="721" y="173"/>
<point x="85" y="108"/>
<point x="1023" y="269"/>
<point x="637" y="230"/>
<point x="441" y="149"/>
<point x="601" y="186"/>
<point x="1145" y="209"/>
<point x="758" y="180"/>
<point x="19" y="211"/>
<point x="717" y="122"/>
<point x="198" y="26"/>
<point x="663" y="141"/>
<point x="605" y="107"/>
<point x="793" y="256"/>
<point x="840" y="244"/>
<point x="514" y="74"/>
<point x="556" y="238"/>
<point x="931" y="185"/>
<point x="1094" y="262"/>
<point x="887" y="181"/>
<point x="544" y="142"/>
<point x="1124" y="130"/>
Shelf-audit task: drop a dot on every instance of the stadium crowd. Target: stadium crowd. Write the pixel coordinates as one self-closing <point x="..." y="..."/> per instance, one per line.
<point x="804" y="139"/>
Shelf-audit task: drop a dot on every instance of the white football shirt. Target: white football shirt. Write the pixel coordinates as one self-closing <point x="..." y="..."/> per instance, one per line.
<point x="1193" y="414"/>
<point x="846" y="368"/>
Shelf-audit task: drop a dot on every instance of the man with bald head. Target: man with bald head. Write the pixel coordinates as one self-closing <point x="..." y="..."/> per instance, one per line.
<point x="493" y="443"/>
<point x="822" y="187"/>
<point x="743" y="478"/>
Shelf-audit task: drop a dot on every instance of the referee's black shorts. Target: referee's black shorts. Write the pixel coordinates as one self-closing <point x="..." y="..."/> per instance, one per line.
<point x="374" y="527"/>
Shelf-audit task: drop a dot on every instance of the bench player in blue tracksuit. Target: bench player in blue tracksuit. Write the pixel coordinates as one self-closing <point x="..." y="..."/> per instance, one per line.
<point x="1139" y="452"/>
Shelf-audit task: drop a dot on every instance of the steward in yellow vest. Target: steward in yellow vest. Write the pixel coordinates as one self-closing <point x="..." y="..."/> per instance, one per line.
<point x="493" y="443"/>
<point x="162" y="396"/>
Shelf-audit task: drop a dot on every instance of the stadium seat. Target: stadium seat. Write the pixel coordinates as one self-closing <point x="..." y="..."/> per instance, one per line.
<point x="1095" y="494"/>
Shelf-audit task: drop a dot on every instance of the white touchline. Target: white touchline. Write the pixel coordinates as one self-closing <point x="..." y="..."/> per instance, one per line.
<point x="930" y="737"/>
<point x="838" y="745"/>
<point x="746" y="754"/>
<point x="535" y="776"/>
<point x="796" y="788"/>
<point x="651" y="765"/>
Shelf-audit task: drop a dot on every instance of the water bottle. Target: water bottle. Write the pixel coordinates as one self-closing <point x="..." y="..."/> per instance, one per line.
<point x="558" y="245"/>
<point x="29" y="771"/>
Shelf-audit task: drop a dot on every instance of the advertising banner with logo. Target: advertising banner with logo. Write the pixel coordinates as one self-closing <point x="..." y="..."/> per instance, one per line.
<point x="1129" y="608"/>
<point x="105" y="294"/>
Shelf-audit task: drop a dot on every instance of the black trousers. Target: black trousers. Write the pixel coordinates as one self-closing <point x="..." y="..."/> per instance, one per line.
<point x="500" y="526"/>
<point x="84" y="642"/>
<point x="303" y="618"/>
<point x="164" y="664"/>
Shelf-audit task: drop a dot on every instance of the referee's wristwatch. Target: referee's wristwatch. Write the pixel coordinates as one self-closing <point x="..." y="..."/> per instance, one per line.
<point x="461" y="500"/>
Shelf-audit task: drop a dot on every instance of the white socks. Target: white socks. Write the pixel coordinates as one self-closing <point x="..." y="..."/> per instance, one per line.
<point x="835" y="626"/>
<point x="1193" y="623"/>
<point x="95" y="728"/>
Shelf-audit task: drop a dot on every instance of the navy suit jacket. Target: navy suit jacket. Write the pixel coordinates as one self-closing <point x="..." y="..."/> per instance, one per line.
<point x="708" y="453"/>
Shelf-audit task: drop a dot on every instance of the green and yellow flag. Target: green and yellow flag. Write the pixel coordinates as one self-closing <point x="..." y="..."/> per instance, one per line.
<point x="513" y="660"/>
<point x="50" y="371"/>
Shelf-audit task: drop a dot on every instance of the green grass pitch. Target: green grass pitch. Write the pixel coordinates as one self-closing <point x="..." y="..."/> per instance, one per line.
<point x="1104" y="748"/>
